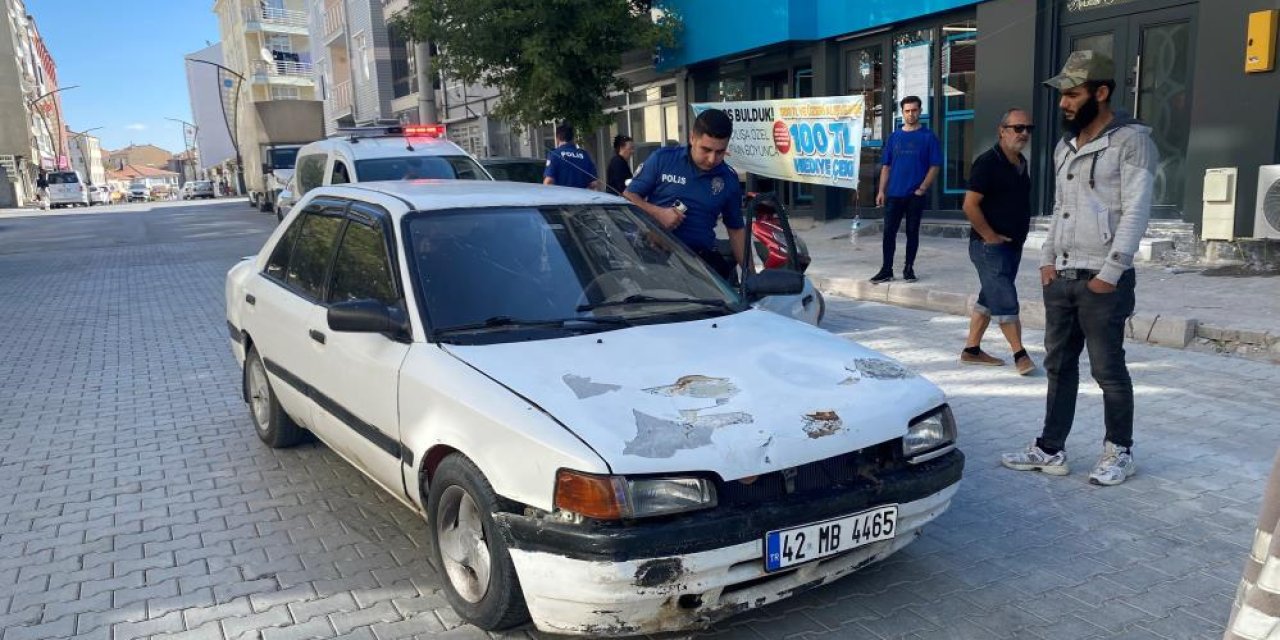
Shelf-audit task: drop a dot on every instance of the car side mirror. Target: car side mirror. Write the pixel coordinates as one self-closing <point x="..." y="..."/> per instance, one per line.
<point x="367" y="316"/>
<point x="774" y="282"/>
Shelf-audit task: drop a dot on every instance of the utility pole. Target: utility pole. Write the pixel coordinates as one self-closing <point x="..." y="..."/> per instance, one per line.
<point x="426" y="87"/>
<point x="187" y="147"/>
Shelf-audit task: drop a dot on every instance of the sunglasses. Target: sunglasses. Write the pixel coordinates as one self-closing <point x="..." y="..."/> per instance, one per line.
<point x="1020" y="128"/>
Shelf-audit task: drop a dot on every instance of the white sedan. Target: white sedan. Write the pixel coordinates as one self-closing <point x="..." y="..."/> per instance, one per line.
<point x="602" y="435"/>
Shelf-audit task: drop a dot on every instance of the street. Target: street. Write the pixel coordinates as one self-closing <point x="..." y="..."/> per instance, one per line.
<point x="139" y="502"/>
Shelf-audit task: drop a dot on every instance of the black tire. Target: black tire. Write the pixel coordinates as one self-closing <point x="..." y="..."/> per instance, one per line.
<point x="279" y="430"/>
<point x="264" y="204"/>
<point x="501" y="605"/>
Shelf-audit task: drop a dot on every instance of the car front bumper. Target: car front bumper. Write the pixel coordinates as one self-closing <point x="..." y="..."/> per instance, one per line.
<point x="619" y="582"/>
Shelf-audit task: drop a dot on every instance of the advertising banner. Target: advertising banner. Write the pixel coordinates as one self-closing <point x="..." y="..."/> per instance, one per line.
<point x="814" y="140"/>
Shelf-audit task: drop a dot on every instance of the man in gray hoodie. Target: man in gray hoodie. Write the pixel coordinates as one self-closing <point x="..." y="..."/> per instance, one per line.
<point x="1104" y="172"/>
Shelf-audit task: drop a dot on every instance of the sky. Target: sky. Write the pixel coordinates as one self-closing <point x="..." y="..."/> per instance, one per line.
<point x="126" y="58"/>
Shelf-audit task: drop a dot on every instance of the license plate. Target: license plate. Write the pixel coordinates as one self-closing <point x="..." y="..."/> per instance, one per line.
<point x="798" y="545"/>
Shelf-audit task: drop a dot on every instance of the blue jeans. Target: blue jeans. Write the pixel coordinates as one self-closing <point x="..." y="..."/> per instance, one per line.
<point x="997" y="266"/>
<point x="895" y="209"/>
<point x="1076" y="318"/>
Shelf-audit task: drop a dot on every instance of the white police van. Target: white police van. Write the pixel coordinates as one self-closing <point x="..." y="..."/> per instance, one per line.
<point x="376" y="153"/>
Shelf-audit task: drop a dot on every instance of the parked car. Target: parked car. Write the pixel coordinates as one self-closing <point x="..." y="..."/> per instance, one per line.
<point x="198" y="189"/>
<point x="139" y="192"/>
<point x="513" y="169"/>
<point x="285" y="199"/>
<point x="368" y="154"/>
<point x="601" y="434"/>
<point x="99" y="195"/>
<point x="66" y="189"/>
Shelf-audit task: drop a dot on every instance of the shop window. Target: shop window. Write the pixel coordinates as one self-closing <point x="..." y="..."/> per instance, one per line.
<point x="864" y="76"/>
<point x="728" y="90"/>
<point x="959" y="90"/>
<point x="913" y="71"/>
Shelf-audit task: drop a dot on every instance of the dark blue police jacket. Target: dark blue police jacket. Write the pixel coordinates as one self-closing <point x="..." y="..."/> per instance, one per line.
<point x="669" y="175"/>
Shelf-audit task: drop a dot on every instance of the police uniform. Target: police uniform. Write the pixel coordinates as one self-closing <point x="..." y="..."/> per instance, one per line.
<point x="569" y="165"/>
<point x="670" y="175"/>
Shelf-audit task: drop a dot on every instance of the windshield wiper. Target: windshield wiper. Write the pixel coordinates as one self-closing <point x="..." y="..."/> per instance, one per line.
<point x="503" y="322"/>
<point x="641" y="298"/>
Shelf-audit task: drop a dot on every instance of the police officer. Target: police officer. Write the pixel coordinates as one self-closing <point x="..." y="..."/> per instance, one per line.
<point x="686" y="189"/>
<point x="569" y="165"/>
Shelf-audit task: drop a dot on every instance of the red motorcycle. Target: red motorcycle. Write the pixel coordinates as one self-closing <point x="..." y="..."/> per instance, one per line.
<point x="772" y="235"/>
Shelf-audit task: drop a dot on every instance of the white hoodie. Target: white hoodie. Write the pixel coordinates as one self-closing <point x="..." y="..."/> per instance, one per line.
<point x="1103" y="199"/>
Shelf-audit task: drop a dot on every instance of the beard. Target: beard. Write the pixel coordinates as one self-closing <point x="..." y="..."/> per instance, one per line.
<point x="1087" y="113"/>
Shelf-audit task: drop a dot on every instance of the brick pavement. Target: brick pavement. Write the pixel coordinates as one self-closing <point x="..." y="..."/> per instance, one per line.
<point x="138" y="502"/>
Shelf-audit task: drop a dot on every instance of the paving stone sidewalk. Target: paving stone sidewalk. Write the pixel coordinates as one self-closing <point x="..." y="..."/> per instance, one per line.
<point x="136" y="502"/>
<point x="1175" y="307"/>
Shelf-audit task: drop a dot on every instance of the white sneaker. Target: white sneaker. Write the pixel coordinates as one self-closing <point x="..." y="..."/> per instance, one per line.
<point x="1035" y="459"/>
<point x="1114" y="467"/>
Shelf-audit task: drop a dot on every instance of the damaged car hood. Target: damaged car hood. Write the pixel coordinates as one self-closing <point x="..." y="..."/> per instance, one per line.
<point x="737" y="395"/>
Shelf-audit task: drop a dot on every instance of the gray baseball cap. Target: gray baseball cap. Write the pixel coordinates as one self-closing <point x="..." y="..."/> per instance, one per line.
<point x="1081" y="67"/>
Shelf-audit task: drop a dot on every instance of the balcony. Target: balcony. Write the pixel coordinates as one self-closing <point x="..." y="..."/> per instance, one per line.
<point x="298" y="74"/>
<point x="339" y="99"/>
<point x="276" y="20"/>
<point x="335" y="21"/>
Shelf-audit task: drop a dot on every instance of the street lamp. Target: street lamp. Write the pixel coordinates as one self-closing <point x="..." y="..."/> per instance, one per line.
<point x="187" y="147"/>
<point x="31" y="104"/>
<point x="235" y="139"/>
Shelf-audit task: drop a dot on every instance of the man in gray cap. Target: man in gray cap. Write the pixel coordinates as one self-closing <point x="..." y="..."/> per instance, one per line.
<point x="1104" y="172"/>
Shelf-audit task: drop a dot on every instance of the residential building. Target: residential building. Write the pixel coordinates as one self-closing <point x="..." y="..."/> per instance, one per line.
<point x="211" y="113"/>
<point x="157" y="179"/>
<point x="266" y="42"/>
<point x="86" y="157"/>
<point x="138" y="155"/>
<point x="31" y="121"/>
<point x="352" y="61"/>
<point x="186" y="165"/>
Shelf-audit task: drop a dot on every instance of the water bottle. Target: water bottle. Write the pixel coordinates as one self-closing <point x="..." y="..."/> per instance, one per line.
<point x="854" y="227"/>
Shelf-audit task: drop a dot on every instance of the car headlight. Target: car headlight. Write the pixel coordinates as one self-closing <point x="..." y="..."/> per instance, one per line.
<point x="619" y="497"/>
<point x="930" y="435"/>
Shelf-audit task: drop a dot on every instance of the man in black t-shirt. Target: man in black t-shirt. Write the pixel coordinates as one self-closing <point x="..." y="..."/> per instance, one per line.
<point x="998" y="206"/>
<point x="619" y="170"/>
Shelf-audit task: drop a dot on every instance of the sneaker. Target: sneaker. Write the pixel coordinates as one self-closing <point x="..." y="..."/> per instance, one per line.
<point x="1035" y="459"/>
<point x="1025" y="365"/>
<point x="883" y="275"/>
<point x="982" y="358"/>
<point x="1115" y="466"/>
<point x="909" y="274"/>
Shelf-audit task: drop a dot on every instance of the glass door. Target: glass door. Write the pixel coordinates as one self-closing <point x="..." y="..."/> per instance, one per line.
<point x="864" y="76"/>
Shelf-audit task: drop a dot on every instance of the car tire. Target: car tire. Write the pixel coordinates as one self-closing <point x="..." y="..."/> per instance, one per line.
<point x="479" y="579"/>
<point x="273" y="425"/>
<point x="279" y="215"/>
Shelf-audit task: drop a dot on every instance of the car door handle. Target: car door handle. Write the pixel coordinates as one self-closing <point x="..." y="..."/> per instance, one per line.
<point x="317" y="336"/>
<point x="248" y="297"/>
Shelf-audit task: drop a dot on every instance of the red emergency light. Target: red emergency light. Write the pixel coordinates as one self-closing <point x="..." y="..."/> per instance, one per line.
<point x="424" y="130"/>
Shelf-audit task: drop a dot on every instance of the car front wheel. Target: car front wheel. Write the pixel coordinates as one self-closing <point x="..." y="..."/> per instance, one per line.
<point x="273" y="425"/>
<point x="480" y="581"/>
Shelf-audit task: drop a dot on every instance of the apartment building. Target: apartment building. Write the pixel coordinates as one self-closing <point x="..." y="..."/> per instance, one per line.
<point x="353" y="67"/>
<point x="266" y="42"/>
<point x="31" y="121"/>
<point x="86" y="157"/>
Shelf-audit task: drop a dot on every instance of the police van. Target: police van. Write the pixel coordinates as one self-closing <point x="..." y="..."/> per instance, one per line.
<point x="392" y="152"/>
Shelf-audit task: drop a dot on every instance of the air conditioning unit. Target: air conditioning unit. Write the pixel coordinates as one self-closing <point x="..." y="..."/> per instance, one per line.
<point x="1266" y="223"/>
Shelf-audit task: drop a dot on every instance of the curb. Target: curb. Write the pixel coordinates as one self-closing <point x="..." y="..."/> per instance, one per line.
<point x="1165" y="331"/>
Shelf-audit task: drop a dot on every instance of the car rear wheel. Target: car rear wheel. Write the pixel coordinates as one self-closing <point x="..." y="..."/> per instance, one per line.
<point x="273" y="425"/>
<point x="480" y="580"/>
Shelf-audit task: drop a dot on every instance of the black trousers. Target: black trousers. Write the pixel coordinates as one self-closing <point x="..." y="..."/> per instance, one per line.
<point x="1076" y="318"/>
<point x="719" y="264"/>
<point x="895" y="209"/>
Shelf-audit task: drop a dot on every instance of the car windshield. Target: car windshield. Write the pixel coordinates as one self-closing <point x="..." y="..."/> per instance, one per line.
<point x="419" y="167"/>
<point x="518" y="273"/>
<point x="63" y="177"/>
<point x="284" y="158"/>
<point x="530" y="171"/>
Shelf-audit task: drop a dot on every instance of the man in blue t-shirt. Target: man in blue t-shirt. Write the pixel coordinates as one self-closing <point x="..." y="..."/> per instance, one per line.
<point x="911" y="161"/>
<point x="569" y="165"/>
<point x="687" y="189"/>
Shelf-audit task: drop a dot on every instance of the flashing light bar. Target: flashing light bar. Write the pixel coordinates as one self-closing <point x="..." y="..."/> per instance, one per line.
<point x="424" y="130"/>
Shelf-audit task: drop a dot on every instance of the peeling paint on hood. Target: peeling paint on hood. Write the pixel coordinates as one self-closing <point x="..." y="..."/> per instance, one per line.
<point x="737" y="395"/>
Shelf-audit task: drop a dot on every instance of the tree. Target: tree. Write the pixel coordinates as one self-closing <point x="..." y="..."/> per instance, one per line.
<point x="550" y="60"/>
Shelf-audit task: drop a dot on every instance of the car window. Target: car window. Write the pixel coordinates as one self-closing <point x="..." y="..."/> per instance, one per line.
<point x="63" y="177"/>
<point x="309" y="264"/>
<point x="310" y="172"/>
<point x="279" y="260"/>
<point x="419" y="167"/>
<point x="362" y="269"/>
<point x="340" y="174"/>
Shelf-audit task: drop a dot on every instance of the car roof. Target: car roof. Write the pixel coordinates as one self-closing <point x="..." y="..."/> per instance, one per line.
<point x="390" y="146"/>
<point x="436" y="195"/>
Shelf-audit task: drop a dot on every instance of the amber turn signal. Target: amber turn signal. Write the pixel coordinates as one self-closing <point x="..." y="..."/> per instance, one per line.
<point x="593" y="496"/>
